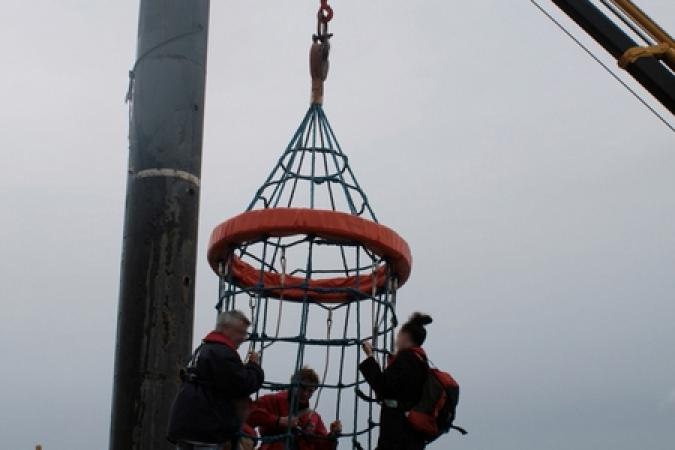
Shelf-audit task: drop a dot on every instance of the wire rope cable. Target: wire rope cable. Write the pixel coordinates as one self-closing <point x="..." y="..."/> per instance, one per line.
<point x="603" y="65"/>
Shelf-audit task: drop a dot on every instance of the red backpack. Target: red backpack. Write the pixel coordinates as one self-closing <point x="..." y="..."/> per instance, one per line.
<point x="434" y="413"/>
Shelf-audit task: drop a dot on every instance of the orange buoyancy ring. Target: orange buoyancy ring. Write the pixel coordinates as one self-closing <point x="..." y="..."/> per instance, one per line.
<point x="257" y="225"/>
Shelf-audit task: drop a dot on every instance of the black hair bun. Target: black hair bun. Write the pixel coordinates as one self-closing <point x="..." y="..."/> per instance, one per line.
<point x="421" y="319"/>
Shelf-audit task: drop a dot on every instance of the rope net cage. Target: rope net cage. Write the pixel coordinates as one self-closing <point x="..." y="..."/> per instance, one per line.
<point x="318" y="275"/>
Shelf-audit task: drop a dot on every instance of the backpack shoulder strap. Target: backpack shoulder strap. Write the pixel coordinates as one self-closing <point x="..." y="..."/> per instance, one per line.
<point x="189" y="372"/>
<point x="420" y="355"/>
<point x="195" y="357"/>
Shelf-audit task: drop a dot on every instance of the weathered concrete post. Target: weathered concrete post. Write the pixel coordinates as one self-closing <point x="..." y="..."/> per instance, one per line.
<point x="156" y="302"/>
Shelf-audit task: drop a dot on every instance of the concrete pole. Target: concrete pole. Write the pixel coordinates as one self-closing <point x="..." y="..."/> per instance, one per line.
<point x="156" y="302"/>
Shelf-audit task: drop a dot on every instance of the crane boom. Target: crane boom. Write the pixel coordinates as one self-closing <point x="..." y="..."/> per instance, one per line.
<point x="643" y="63"/>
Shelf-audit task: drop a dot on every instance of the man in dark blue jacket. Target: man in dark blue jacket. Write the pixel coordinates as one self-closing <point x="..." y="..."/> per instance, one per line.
<point x="206" y="413"/>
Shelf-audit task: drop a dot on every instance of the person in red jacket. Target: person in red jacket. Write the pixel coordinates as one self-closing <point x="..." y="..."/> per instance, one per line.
<point x="272" y="415"/>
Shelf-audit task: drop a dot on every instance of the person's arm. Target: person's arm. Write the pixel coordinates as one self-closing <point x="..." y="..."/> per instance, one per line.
<point x="248" y="430"/>
<point x="233" y="377"/>
<point x="320" y="427"/>
<point x="261" y="414"/>
<point x="394" y="378"/>
<point x="264" y="413"/>
<point x="327" y="440"/>
<point x="371" y="371"/>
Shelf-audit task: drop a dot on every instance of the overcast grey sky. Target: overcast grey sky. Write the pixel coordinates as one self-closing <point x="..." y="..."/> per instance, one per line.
<point x="537" y="195"/>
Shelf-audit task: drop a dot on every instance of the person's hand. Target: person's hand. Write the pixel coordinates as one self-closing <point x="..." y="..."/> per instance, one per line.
<point x="253" y="358"/>
<point x="309" y="428"/>
<point x="367" y="348"/>
<point x="336" y="427"/>
<point x="285" y="421"/>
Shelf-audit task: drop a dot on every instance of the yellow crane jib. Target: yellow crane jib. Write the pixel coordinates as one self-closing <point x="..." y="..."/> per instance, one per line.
<point x="660" y="51"/>
<point x="664" y="49"/>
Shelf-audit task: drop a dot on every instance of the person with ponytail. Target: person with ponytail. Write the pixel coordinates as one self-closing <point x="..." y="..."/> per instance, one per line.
<point x="399" y="386"/>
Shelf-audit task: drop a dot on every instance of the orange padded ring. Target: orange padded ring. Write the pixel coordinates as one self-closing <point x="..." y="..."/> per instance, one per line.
<point x="257" y="225"/>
